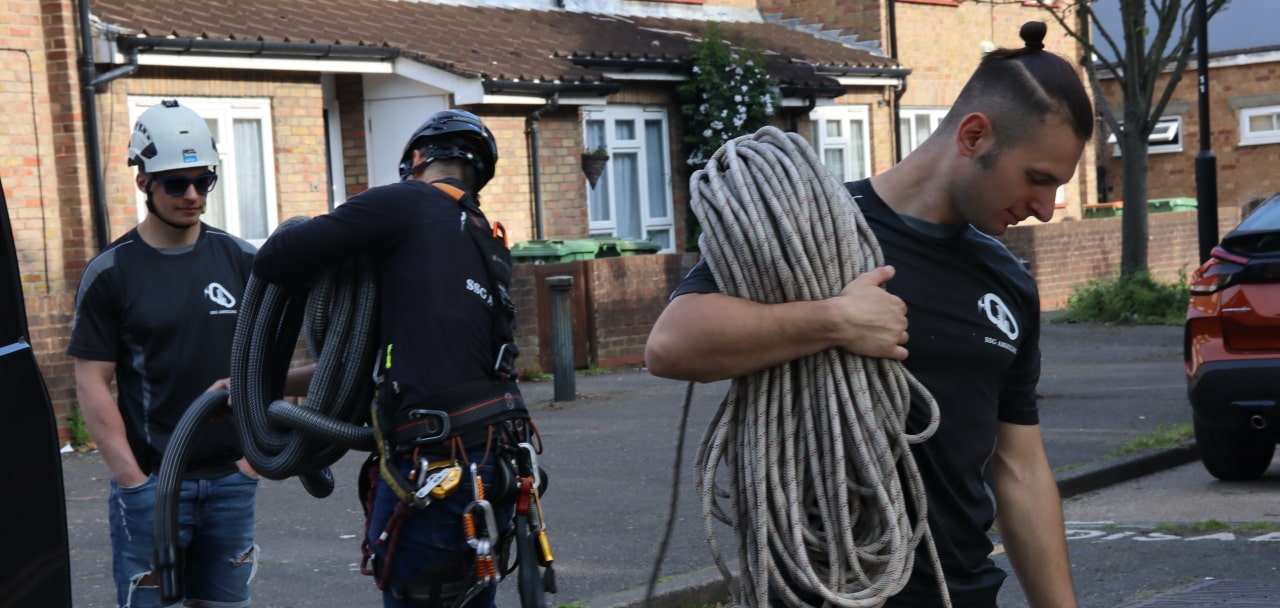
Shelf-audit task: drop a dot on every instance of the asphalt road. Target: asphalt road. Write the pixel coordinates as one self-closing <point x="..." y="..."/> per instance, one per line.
<point x="610" y="454"/>
<point x="1172" y="537"/>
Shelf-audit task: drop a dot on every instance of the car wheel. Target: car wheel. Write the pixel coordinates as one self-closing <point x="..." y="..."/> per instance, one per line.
<point x="1235" y="455"/>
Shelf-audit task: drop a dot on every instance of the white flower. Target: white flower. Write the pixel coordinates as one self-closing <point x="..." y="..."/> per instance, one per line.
<point x="744" y="88"/>
<point x="706" y="133"/>
<point x="715" y="124"/>
<point x="737" y="98"/>
<point x="697" y="70"/>
<point x="702" y="109"/>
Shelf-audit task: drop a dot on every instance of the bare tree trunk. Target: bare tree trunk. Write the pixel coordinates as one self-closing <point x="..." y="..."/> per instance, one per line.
<point x="1134" y="230"/>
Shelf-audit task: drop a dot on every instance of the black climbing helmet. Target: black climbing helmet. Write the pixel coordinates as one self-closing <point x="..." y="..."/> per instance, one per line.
<point x="453" y="134"/>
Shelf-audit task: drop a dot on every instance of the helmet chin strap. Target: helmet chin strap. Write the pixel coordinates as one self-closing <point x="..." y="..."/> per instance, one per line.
<point x="418" y="167"/>
<point x="151" y="208"/>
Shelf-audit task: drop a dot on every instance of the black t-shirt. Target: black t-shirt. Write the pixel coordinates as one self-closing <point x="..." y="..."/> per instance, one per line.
<point x="973" y="315"/>
<point x="434" y="296"/>
<point x="166" y="317"/>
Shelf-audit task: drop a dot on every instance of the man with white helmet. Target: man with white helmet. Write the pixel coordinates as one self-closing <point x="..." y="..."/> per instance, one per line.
<point x="156" y="311"/>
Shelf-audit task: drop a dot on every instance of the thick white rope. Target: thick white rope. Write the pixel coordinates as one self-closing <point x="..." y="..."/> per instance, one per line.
<point x="813" y="448"/>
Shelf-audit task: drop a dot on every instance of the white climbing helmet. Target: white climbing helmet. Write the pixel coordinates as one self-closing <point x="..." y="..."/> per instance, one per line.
<point x="169" y="136"/>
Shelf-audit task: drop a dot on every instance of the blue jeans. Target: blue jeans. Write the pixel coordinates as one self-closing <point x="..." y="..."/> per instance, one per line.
<point x="432" y="537"/>
<point x="215" y="532"/>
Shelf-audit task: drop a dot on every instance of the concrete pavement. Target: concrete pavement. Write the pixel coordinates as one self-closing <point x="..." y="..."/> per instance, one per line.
<point x="610" y="454"/>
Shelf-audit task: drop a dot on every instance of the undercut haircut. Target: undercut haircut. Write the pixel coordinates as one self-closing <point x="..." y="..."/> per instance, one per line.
<point x="1019" y="89"/>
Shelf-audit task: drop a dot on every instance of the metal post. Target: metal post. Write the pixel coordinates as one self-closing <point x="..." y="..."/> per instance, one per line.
<point x="1206" y="162"/>
<point x="562" y="336"/>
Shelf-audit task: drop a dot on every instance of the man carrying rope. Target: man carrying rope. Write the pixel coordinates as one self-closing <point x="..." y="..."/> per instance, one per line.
<point x="449" y="414"/>
<point x="1014" y="135"/>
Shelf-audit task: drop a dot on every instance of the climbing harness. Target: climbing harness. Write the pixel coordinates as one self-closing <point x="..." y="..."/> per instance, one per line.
<point x="821" y="483"/>
<point x="282" y="439"/>
<point x="488" y="412"/>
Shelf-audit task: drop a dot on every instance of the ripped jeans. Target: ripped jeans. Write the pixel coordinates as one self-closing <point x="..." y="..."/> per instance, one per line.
<point x="216" y="526"/>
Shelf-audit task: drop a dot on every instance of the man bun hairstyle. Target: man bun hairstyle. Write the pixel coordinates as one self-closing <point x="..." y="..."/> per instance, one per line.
<point x="1019" y="88"/>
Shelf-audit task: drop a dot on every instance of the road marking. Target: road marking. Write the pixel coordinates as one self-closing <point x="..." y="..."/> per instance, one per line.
<point x="1107" y="535"/>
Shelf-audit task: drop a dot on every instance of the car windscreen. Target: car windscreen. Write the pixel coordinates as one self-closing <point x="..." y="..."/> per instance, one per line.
<point x="1259" y="233"/>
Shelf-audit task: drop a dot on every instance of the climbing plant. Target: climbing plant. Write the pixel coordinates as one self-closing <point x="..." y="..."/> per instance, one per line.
<point x="728" y="94"/>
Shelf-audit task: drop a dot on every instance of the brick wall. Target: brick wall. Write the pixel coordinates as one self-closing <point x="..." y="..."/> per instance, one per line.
<point x="355" y="157"/>
<point x="1066" y="255"/>
<point x="1244" y="173"/>
<point x="44" y="184"/>
<point x="625" y="296"/>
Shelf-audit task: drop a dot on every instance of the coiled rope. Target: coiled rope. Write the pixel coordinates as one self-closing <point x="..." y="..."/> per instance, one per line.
<point x="815" y="450"/>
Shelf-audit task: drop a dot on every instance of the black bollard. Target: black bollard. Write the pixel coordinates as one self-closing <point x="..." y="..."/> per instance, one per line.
<point x="562" y="336"/>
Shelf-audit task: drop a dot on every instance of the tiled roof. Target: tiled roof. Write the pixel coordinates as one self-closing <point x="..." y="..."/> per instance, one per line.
<point x="484" y="42"/>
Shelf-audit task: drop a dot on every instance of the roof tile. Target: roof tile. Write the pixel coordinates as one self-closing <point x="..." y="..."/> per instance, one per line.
<point x="486" y="42"/>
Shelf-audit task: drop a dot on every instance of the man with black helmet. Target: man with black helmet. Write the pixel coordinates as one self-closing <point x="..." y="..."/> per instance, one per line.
<point x="156" y="310"/>
<point x="448" y="408"/>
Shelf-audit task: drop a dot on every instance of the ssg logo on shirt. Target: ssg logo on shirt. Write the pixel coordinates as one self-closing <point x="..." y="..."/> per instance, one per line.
<point x="479" y="290"/>
<point x="219" y="295"/>
<point x="1000" y="316"/>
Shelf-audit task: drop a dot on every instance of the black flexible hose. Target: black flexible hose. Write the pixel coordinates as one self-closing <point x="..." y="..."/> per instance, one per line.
<point x="168" y="556"/>
<point x="281" y="439"/>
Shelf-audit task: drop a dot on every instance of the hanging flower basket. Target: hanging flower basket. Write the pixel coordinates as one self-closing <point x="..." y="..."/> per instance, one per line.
<point x="593" y="166"/>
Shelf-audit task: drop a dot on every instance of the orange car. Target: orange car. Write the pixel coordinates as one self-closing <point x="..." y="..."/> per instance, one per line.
<point x="1231" y="348"/>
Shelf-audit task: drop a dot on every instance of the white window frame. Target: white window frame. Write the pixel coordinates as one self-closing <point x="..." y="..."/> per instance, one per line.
<point x="907" y="141"/>
<point x="1249" y="137"/>
<point x="846" y="115"/>
<point x="226" y="110"/>
<point x="1166" y="137"/>
<point x="640" y="114"/>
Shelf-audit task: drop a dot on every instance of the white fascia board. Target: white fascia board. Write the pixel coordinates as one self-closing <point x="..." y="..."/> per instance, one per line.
<point x="465" y="90"/>
<point x="653" y="76"/>
<point x="868" y="81"/>
<point x="1225" y="61"/>
<point x="530" y="100"/>
<point x="224" y="62"/>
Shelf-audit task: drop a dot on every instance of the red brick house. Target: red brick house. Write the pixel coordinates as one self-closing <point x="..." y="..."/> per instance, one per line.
<point x="311" y="103"/>
<point x="1244" y="122"/>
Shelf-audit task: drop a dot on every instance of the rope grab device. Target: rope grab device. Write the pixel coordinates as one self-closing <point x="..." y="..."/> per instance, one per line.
<point x="815" y="451"/>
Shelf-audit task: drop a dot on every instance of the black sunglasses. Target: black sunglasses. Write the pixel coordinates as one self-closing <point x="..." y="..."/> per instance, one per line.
<point x="176" y="185"/>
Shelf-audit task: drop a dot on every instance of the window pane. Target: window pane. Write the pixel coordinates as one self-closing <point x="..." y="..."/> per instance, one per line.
<point x="661" y="237"/>
<point x="1264" y="122"/>
<point x="625" y="130"/>
<point x="833" y="128"/>
<point x="904" y="136"/>
<point x="626" y="169"/>
<point x="859" y="152"/>
<point x="598" y="197"/>
<point x="251" y="184"/>
<point x="923" y="128"/>
<point x="656" y="168"/>
<point x="215" y="210"/>
<point x="833" y="158"/>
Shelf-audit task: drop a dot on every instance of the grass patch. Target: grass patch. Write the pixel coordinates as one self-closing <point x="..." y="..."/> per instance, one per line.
<point x="533" y="374"/>
<point x="77" y="430"/>
<point x="1067" y="467"/>
<point x="594" y="370"/>
<point x="1165" y="436"/>
<point x="1261" y="526"/>
<point x="1137" y="299"/>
